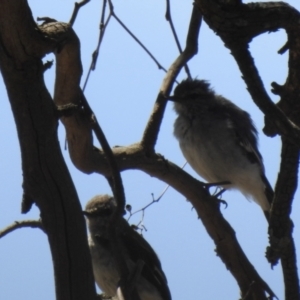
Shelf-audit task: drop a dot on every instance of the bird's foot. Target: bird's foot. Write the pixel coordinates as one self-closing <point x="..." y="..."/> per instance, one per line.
<point x="222" y="201"/>
<point x="217" y="184"/>
<point x="217" y="194"/>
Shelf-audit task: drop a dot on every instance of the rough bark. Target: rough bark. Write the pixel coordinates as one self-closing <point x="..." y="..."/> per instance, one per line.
<point x="47" y="181"/>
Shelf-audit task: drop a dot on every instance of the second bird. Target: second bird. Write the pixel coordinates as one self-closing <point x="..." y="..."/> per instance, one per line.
<point x="219" y="141"/>
<point x="151" y="283"/>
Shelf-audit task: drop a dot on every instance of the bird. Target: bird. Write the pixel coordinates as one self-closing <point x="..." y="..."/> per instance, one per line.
<point x="151" y="284"/>
<point x="219" y="141"/>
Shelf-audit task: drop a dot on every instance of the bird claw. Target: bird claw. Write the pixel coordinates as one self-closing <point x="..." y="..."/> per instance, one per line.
<point x="222" y="202"/>
<point x="207" y="186"/>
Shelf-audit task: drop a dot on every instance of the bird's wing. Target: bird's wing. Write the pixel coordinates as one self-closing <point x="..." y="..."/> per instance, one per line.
<point x="244" y="131"/>
<point x="250" y="149"/>
<point x="139" y="249"/>
<point x="246" y="137"/>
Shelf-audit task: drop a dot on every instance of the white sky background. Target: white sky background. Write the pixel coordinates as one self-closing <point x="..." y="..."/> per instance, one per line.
<point x="122" y="92"/>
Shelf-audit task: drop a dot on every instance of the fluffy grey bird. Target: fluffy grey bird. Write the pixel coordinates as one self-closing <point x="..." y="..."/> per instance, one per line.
<point x="152" y="282"/>
<point x="219" y="141"/>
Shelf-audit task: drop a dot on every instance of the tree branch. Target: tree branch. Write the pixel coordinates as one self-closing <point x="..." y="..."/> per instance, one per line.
<point x="168" y="16"/>
<point x="112" y="12"/>
<point x="260" y="96"/>
<point x="21" y="224"/>
<point x="237" y="25"/>
<point x="89" y="159"/>
<point x="151" y="132"/>
<point x="281" y="227"/>
<point x="46" y="178"/>
<point x="76" y="10"/>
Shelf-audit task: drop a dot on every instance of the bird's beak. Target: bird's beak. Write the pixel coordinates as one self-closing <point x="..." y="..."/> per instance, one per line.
<point x="171" y="98"/>
<point x="86" y="214"/>
<point x="174" y="98"/>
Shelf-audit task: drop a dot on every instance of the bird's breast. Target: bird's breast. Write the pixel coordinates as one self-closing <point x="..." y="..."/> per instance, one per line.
<point x="104" y="268"/>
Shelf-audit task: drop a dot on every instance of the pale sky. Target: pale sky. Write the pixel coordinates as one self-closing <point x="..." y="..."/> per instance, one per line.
<point x="122" y="91"/>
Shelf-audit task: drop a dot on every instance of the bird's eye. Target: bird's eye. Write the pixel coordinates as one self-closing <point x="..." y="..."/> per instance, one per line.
<point x="104" y="212"/>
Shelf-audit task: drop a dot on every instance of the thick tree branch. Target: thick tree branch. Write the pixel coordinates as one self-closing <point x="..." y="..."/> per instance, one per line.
<point x="242" y="22"/>
<point x="46" y="178"/>
<point x="70" y="100"/>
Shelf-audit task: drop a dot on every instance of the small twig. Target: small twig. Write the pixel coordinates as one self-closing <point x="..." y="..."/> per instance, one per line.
<point x="169" y="19"/>
<point x="46" y="20"/>
<point x="149" y="204"/>
<point x="21" y="224"/>
<point x="47" y="65"/>
<point x="102" y="28"/>
<point x="146" y="206"/>
<point x="95" y="54"/>
<point x="76" y="9"/>
<point x="284" y="48"/>
<point x="134" y="37"/>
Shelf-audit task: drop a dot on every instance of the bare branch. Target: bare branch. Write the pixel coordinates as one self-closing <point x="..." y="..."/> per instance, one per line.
<point x="76" y="10"/>
<point x="169" y="19"/>
<point x="261" y="97"/>
<point x="21" y="224"/>
<point x="281" y="227"/>
<point x="117" y="187"/>
<point x="134" y="37"/>
<point x="154" y="200"/>
<point x="102" y="27"/>
<point x="243" y="24"/>
<point x="151" y="132"/>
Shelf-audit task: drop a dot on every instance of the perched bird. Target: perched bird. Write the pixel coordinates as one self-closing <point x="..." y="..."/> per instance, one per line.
<point x="219" y="141"/>
<point x="152" y="282"/>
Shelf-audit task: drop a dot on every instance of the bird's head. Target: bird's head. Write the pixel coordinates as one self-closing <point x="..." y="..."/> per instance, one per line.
<point x="190" y="94"/>
<point x="192" y="88"/>
<point x="99" y="210"/>
<point x="100" y="206"/>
